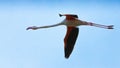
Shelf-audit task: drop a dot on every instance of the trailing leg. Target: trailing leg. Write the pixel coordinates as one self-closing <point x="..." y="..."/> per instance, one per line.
<point x="101" y="26"/>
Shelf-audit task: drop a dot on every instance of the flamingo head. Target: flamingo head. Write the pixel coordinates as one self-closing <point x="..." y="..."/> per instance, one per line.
<point x="32" y="27"/>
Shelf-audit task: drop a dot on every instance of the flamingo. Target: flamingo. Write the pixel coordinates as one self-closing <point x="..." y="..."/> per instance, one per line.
<point x="71" y="21"/>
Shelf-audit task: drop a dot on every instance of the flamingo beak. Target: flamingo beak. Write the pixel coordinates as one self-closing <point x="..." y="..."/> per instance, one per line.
<point x="28" y="28"/>
<point x="33" y="28"/>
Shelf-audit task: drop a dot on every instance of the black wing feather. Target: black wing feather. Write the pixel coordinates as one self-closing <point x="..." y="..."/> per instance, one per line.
<point x="75" y="16"/>
<point x="71" y="42"/>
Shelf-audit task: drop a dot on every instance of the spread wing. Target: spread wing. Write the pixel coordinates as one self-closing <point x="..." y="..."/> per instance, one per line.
<point x="69" y="40"/>
<point x="72" y="15"/>
<point x="69" y="16"/>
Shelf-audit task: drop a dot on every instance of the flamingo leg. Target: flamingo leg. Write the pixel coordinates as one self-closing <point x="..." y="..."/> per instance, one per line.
<point x="101" y="26"/>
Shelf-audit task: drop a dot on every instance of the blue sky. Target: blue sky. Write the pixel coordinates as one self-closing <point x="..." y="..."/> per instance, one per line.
<point x="95" y="47"/>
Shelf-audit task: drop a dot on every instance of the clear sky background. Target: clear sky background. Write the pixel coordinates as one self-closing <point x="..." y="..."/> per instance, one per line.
<point x="95" y="47"/>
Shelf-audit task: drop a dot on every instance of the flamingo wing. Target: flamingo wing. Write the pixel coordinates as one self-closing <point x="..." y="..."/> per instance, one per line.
<point x="69" y="40"/>
<point x="71" y="15"/>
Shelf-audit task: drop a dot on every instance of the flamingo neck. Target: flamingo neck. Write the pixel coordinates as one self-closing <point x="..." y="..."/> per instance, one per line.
<point x="50" y="26"/>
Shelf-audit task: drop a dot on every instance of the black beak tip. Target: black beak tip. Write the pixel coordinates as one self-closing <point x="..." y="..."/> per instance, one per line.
<point x="28" y="28"/>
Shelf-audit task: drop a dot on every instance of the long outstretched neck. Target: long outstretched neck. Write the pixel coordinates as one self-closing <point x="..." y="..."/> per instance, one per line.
<point x="101" y="26"/>
<point x="35" y="27"/>
<point x="50" y="26"/>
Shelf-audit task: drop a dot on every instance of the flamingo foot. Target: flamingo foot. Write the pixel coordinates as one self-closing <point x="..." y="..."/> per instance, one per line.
<point x="110" y="27"/>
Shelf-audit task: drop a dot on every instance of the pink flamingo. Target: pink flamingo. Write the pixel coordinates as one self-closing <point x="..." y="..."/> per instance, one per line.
<point x="71" y="21"/>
